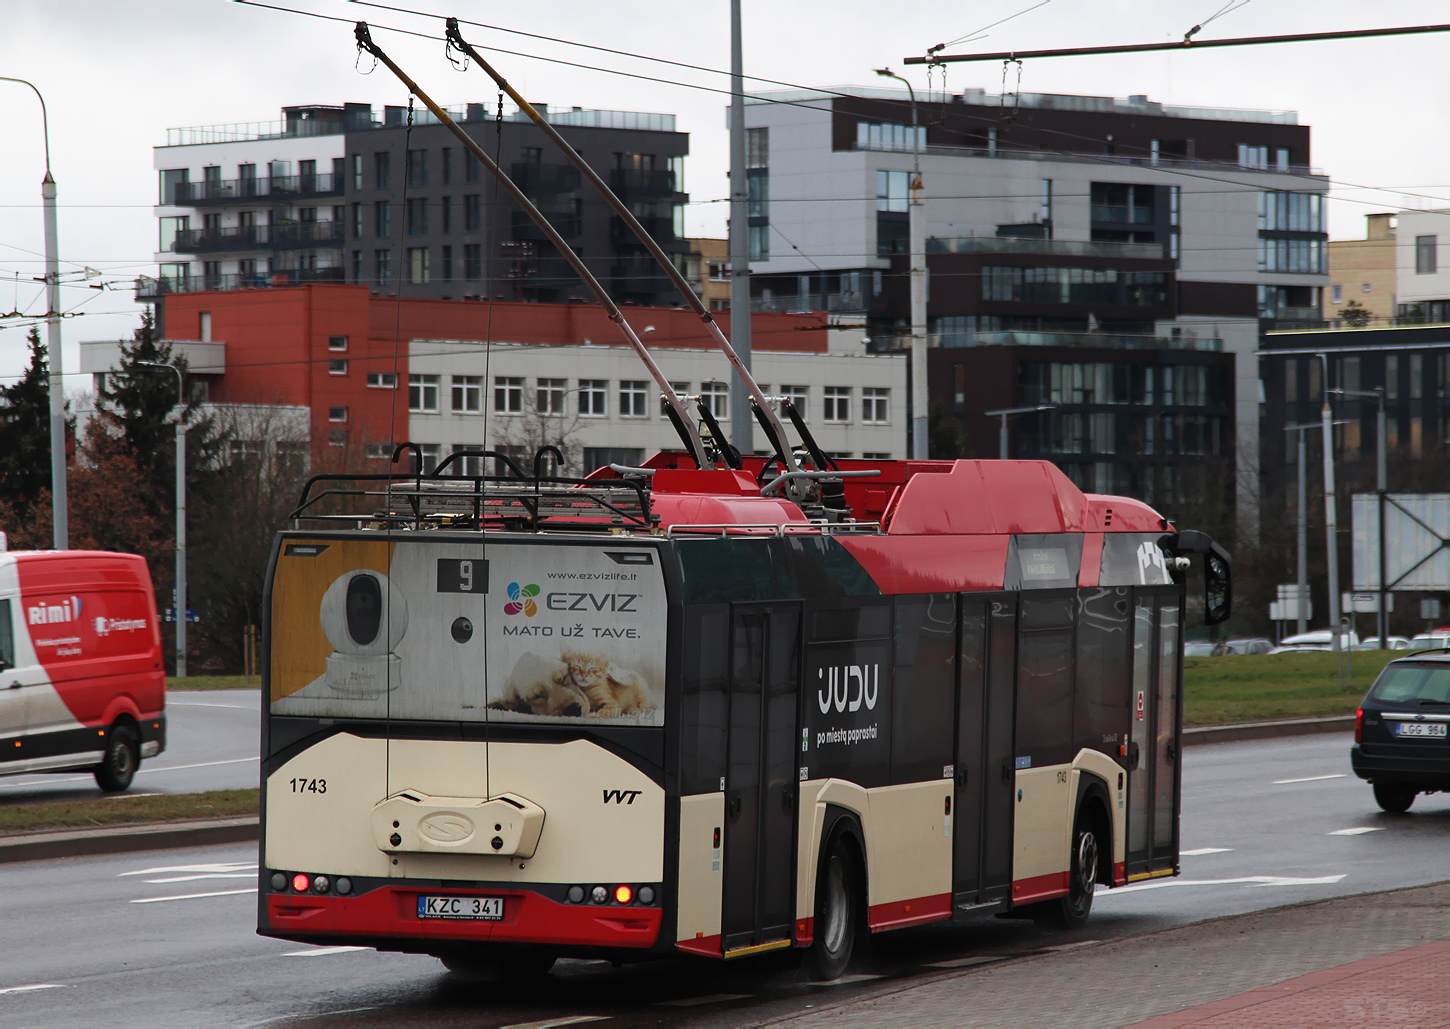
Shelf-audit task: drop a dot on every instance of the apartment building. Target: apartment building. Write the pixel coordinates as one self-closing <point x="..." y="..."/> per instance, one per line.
<point x="1363" y="272"/>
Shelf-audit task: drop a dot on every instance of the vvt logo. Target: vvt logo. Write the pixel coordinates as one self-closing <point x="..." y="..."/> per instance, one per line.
<point x="521" y="598"/>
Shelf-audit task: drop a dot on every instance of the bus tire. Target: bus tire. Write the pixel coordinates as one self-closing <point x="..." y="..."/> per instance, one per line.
<point x="122" y="755"/>
<point x="1072" y="911"/>
<point x="1395" y="798"/>
<point x="839" y="893"/>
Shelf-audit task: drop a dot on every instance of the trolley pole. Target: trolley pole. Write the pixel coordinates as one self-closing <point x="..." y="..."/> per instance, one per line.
<point x="741" y="420"/>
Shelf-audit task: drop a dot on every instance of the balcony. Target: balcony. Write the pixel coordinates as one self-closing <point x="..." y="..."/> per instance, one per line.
<point x="637" y="184"/>
<point x="152" y="289"/>
<point x="1122" y="214"/>
<point x="265" y="189"/>
<point x="544" y="179"/>
<point x="1048" y="247"/>
<point x="295" y="235"/>
<point x="291" y="236"/>
<point x="564" y="220"/>
<point x="1014" y="338"/>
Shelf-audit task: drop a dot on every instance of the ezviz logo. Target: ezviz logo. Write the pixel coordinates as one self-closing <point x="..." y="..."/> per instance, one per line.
<point x="50" y="614"/>
<point x="836" y="693"/>
<point x="521" y="598"/>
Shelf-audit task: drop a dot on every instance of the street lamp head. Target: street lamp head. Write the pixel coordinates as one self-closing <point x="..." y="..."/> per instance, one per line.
<point x="886" y="73"/>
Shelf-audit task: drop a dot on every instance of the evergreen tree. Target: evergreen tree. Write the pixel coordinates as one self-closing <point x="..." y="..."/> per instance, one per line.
<point x="25" y="431"/>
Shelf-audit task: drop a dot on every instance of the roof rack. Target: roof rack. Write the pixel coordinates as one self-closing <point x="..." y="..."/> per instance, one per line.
<point x="434" y="500"/>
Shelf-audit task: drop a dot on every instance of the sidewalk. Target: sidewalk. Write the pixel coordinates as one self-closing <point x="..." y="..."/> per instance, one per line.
<point x="1379" y="959"/>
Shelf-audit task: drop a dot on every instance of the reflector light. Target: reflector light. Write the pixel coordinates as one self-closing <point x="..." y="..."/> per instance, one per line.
<point x="300" y="882"/>
<point x="576" y="894"/>
<point x="646" y="895"/>
<point x="623" y="894"/>
<point x="279" y="881"/>
<point x="344" y="885"/>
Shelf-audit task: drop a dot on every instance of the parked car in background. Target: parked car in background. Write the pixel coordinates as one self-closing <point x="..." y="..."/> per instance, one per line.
<point x="1255" y="645"/>
<point x="1430" y="641"/>
<point x="1392" y="643"/>
<point x="1319" y="639"/>
<point x="1401" y="745"/>
<point x="1198" y="648"/>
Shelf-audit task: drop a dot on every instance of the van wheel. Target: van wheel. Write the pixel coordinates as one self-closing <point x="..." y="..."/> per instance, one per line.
<point x="1395" y="798"/>
<point x="123" y="754"/>
<point x="837" y="902"/>
<point x="1071" y="912"/>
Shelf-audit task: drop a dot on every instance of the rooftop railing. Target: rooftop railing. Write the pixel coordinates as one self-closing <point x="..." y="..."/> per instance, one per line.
<point x="264" y="188"/>
<point x="1111" y="341"/>
<point x="1049" y="247"/>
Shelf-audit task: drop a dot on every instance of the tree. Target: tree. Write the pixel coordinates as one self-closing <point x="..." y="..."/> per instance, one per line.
<point x="538" y="425"/>
<point x="1355" y="315"/>
<point x="25" y="432"/>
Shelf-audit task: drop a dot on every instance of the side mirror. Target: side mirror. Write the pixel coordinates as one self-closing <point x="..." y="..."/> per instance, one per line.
<point x="1217" y="585"/>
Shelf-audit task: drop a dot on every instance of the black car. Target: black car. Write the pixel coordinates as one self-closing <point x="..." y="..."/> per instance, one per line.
<point x="1401" y="744"/>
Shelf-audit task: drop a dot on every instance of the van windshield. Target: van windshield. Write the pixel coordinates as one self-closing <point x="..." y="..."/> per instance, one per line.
<point x="1417" y="683"/>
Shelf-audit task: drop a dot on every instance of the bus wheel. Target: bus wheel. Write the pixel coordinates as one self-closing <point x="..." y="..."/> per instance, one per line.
<point x="1395" y="798"/>
<point x="501" y="967"/>
<point x="1071" y="912"/>
<point x="118" y="766"/>
<point x="837" y="895"/>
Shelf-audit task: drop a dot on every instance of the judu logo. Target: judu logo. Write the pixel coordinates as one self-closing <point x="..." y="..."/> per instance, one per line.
<point x="521" y="598"/>
<point x="839" y="683"/>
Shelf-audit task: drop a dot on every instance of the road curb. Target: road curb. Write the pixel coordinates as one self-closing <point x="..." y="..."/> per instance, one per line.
<point x="126" y="838"/>
<point x="1266" y="730"/>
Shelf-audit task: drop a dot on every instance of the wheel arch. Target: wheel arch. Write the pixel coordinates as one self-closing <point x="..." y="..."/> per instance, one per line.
<point x="1093" y="802"/>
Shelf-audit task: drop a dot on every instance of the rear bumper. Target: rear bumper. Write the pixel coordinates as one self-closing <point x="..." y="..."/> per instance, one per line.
<point x="1399" y="764"/>
<point x="153" y="735"/>
<point x="389" y="915"/>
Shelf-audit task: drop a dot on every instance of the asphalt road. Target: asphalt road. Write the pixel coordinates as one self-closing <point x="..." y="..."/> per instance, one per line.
<point x="166" y="938"/>
<point x="212" y="744"/>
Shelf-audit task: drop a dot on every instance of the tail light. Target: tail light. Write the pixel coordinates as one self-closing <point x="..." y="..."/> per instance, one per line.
<point x="1359" y="726"/>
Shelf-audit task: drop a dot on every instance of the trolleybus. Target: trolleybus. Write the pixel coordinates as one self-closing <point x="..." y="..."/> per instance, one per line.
<point x="670" y="711"/>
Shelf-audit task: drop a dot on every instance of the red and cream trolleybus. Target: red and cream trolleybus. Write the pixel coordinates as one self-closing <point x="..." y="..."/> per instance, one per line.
<point x="673" y="711"/>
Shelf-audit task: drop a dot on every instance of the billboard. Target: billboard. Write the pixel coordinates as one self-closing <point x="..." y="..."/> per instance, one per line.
<point x="1417" y="526"/>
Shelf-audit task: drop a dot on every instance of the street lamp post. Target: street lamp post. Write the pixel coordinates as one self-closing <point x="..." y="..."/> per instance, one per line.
<point x="1331" y="516"/>
<point x="55" y="372"/>
<point x="1382" y="623"/>
<point x="917" y="229"/>
<point x="1006" y="413"/>
<point x="180" y="601"/>
<point x="1302" y="548"/>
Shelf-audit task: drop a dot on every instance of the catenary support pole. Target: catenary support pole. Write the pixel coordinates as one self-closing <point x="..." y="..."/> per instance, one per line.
<point x="741" y="419"/>
<point x="1303" y="542"/>
<point x="1381" y="484"/>
<point x="179" y="602"/>
<point x="1331" y="521"/>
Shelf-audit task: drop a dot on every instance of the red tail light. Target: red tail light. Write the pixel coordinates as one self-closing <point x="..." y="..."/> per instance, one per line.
<point x="1359" y="726"/>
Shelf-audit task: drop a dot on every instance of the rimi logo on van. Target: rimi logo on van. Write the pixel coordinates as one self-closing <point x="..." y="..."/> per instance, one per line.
<point x="49" y="614"/>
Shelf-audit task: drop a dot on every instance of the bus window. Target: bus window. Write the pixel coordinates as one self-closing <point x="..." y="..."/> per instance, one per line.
<point x="1102" y="670"/>
<point x="861" y="621"/>
<point x="702" y="743"/>
<point x="921" y="718"/>
<point x="1044" y="680"/>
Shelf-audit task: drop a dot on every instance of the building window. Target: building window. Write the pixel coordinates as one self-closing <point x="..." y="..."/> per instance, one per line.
<point x="382" y="219"/>
<point x="508" y="394"/>
<point x="382" y="169"/>
<point x="417" y="265"/>
<point x="337" y="438"/>
<point x="887" y="136"/>
<point x="473" y="261"/>
<point x="1336" y="293"/>
<point x="719" y="271"/>
<point x="447" y="163"/>
<point x="472" y="167"/>
<point x="875" y="405"/>
<point x="382" y="380"/>
<point x="716" y="396"/>
<point x="417" y="169"/>
<point x="357" y="221"/>
<point x="423" y="394"/>
<point x="473" y="213"/>
<point x="467" y="394"/>
<point x="893" y="191"/>
<point x="1426" y="262"/>
<point x="1281" y="211"/>
<point x="603" y="457"/>
<point x="428" y="456"/>
<point x="868" y="455"/>
<point x="593" y="397"/>
<point x="759" y="242"/>
<point x="357" y="172"/>
<point x="836" y="404"/>
<point x="378" y="451"/>
<point x="1253" y="156"/>
<point x="337" y="367"/>
<point x="417" y="216"/>
<point x="1299" y="256"/>
<point x="799" y="397"/>
<point x="337" y="414"/>
<point x="336" y="342"/>
<point x="633" y="398"/>
<point x="680" y="390"/>
<point x="447" y="264"/>
<point x="1364" y="287"/>
<point x="472" y="462"/>
<point x="445" y="208"/>
<point x="549" y="395"/>
<point x="757" y="148"/>
<point x="757" y="194"/>
<point x="382" y="266"/>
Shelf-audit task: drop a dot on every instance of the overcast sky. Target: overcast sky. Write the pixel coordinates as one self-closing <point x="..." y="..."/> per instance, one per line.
<point x="117" y="75"/>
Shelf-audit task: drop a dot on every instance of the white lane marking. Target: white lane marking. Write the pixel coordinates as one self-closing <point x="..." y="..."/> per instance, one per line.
<point x="1070" y="946"/>
<point x="193" y="896"/>
<point x="847" y="980"/>
<point x="320" y="1014"/>
<point x="1311" y="778"/>
<point x="204" y="875"/>
<point x="203" y="764"/>
<point x="1356" y="831"/>
<point x="1248" y="881"/>
<point x="225" y="866"/>
<point x="318" y="952"/>
<point x="980" y="959"/>
<point x="31" y="988"/>
<point x="550" y="1023"/>
<point x="44" y="782"/>
<point x="713" y="998"/>
<point x="1204" y="851"/>
<point x="230" y="707"/>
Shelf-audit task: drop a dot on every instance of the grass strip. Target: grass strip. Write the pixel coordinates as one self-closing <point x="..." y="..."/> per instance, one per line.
<point x="1261" y="687"/>
<point x="122" y="809"/>
<point x="212" y="682"/>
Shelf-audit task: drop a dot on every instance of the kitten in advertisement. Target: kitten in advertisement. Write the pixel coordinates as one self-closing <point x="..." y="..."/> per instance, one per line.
<point x="542" y="686"/>
<point x="612" y="690"/>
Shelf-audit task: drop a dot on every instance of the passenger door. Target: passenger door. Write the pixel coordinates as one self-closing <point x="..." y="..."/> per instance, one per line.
<point x="982" y="810"/>
<point x="1154" y="737"/>
<point x="760" y="780"/>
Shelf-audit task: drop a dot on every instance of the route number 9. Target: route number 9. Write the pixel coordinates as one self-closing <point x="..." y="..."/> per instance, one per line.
<point x="465" y="576"/>
<point x="462" y="575"/>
